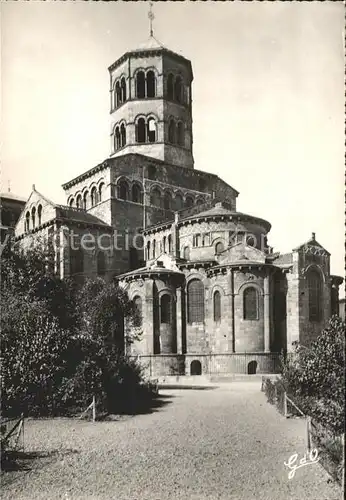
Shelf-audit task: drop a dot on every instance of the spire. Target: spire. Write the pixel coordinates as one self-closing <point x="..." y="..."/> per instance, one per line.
<point x="151" y="18"/>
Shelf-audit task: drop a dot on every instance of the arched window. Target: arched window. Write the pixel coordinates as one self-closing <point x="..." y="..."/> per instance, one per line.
<point x="79" y="203"/>
<point x="76" y="262"/>
<point x="180" y="134"/>
<point x="85" y="200"/>
<point x="170" y="86"/>
<point x="178" y="89"/>
<point x="154" y="249"/>
<point x="117" y="139"/>
<point x="164" y="244"/>
<point x="27" y="221"/>
<point x="122" y="135"/>
<point x="138" y="304"/>
<point x="169" y="243"/>
<point x="93" y="196"/>
<point x="148" y="250"/>
<point x="250" y="303"/>
<point x="195" y="301"/>
<point x="123" y="90"/>
<point x="39" y="214"/>
<point x="101" y="187"/>
<point x="71" y="202"/>
<point x="178" y="201"/>
<point x="217" y="306"/>
<point x="166" y="309"/>
<point x="117" y="94"/>
<point x="188" y="201"/>
<point x="101" y="263"/>
<point x="151" y="130"/>
<point x="123" y="190"/>
<point x="151" y="84"/>
<point x="140" y="130"/>
<point x="171" y="131"/>
<point x="315" y="295"/>
<point x="219" y="248"/>
<point x="186" y="253"/>
<point x="155" y="198"/>
<point x="140" y="85"/>
<point x="136" y="193"/>
<point x="167" y="201"/>
<point x="33" y="217"/>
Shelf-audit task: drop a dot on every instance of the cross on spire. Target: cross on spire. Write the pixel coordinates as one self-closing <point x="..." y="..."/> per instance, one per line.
<point x="151" y="17"/>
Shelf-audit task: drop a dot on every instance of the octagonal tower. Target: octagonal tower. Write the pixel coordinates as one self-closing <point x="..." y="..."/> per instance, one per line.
<point x="151" y="104"/>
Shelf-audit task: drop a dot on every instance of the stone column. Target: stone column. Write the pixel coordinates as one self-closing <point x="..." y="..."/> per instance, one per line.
<point x="266" y="314"/>
<point x="179" y="329"/>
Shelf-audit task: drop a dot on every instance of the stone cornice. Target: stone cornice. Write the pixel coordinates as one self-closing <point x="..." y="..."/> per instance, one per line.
<point x="85" y="175"/>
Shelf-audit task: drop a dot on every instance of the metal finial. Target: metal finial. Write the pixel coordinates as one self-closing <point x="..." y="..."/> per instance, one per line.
<point x="151" y="17"/>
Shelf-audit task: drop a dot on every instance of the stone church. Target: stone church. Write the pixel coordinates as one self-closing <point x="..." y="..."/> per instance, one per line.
<point x="213" y="295"/>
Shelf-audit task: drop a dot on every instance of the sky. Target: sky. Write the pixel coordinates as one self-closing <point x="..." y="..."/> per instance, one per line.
<point x="268" y="101"/>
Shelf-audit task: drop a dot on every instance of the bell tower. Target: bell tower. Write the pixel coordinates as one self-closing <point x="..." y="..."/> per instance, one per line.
<point x="151" y="104"/>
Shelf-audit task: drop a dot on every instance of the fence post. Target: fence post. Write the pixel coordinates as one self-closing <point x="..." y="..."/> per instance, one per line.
<point x="94" y="409"/>
<point x="308" y="431"/>
<point x="285" y="405"/>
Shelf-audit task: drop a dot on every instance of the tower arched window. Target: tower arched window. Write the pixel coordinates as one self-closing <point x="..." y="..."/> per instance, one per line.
<point x="138" y="305"/>
<point x="122" y="135"/>
<point x="117" y="94"/>
<point x="180" y="134"/>
<point x="71" y="202"/>
<point x="195" y="301"/>
<point x="178" y="89"/>
<point x="166" y="309"/>
<point x="86" y="200"/>
<point x="101" y="188"/>
<point x="123" y="89"/>
<point x="136" y="193"/>
<point x="315" y="295"/>
<point x="79" y="202"/>
<point x="151" y="130"/>
<point x="117" y="139"/>
<point x="93" y="196"/>
<point x="151" y="84"/>
<point x="33" y="217"/>
<point x="217" y="305"/>
<point x="178" y="201"/>
<point x="171" y="131"/>
<point x="101" y="263"/>
<point x="170" y="87"/>
<point x="39" y="214"/>
<point x="188" y="201"/>
<point x="123" y="190"/>
<point x="250" y="303"/>
<point x="155" y="198"/>
<point x="186" y="253"/>
<point x="167" y="201"/>
<point x="140" y="85"/>
<point x="140" y="130"/>
<point x="219" y="248"/>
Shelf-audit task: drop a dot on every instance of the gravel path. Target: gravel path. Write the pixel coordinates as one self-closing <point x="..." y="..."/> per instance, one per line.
<point x="226" y="443"/>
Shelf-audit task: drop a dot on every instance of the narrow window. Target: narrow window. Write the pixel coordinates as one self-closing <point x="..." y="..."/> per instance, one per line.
<point x="180" y="134"/>
<point x="178" y="94"/>
<point x="79" y="203"/>
<point x="171" y="131"/>
<point x="71" y="202"/>
<point x="167" y="201"/>
<point x="93" y="196"/>
<point x="136" y="193"/>
<point x="123" y="90"/>
<point x="117" y="95"/>
<point x="151" y="130"/>
<point x="27" y="218"/>
<point x="117" y="139"/>
<point x="170" y="86"/>
<point x="101" y="187"/>
<point x="315" y="295"/>
<point x="250" y="303"/>
<point x="195" y="301"/>
<point x="148" y="250"/>
<point x="122" y="135"/>
<point x="155" y="198"/>
<point x="166" y="309"/>
<point x="140" y="85"/>
<point x="140" y="130"/>
<point x="33" y="217"/>
<point x="178" y="202"/>
<point x="217" y="306"/>
<point x="123" y="190"/>
<point x="169" y="243"/>
<point x="164" y="244"/>
<point x="151" y="84"/>
<point x="39" y="214"/>
<point x="154" y="249"/>
<point x="85" y="200"/>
